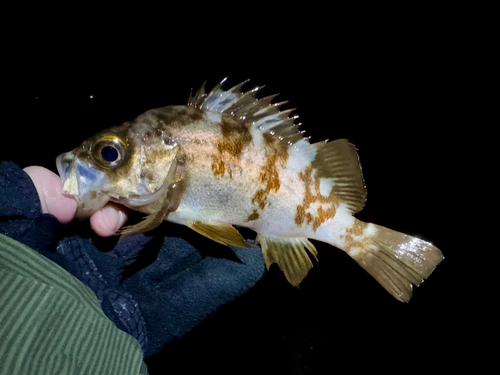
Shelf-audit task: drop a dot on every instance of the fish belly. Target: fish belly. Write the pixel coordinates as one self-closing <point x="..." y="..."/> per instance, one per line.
<point x="225" y="198"/>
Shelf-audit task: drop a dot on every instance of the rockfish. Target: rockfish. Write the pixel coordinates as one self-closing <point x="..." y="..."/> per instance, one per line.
<point x="229" y="158"/>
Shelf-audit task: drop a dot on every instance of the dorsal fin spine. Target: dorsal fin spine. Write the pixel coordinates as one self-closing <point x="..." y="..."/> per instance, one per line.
<point x="260" y="114"/>
<point x="200" y="95"/>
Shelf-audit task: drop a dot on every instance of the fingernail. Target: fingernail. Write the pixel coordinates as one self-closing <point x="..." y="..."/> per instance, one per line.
<point x="113" y="218"/>
<point x="119" y="219"/>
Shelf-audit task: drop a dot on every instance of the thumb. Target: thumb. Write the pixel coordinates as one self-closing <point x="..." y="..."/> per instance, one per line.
<point x="52" y="200"/>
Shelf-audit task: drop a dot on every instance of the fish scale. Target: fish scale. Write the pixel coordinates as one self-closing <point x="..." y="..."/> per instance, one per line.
<point x="229" y="158"/>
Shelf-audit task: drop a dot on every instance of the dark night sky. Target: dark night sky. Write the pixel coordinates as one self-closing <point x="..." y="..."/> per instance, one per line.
<point x="392" y="98"/>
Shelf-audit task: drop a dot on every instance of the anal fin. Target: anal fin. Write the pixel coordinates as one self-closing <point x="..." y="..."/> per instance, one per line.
<point x="290" y="254"/>
<point x="223" y="233"/>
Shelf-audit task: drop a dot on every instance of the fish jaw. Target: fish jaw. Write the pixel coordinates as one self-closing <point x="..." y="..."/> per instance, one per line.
<point x="83" y="182"/>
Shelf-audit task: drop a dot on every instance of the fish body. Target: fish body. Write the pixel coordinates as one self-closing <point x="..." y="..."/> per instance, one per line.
<point x="228" y="158"/>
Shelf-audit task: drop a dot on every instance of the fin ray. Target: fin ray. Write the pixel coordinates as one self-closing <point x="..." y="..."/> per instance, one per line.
<point x="258" y="113"/>
<point x="290" y="254"/>
<point x="396" y="260"/>
<point x="223" y="233"/>
<point x="339" y="160"/>
<point x="150" y="222"/>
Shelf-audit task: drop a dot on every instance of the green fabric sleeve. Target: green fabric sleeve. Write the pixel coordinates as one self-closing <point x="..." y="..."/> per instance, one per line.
<point x="51" y="323"/>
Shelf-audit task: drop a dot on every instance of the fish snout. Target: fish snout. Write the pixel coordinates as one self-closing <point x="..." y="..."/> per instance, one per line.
<point x="83" y="182"/>
<point x="66" y="168"/>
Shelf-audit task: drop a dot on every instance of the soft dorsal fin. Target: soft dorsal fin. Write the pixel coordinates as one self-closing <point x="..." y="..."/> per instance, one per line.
<point x="258" y="113"/>
<point x="338" y="163"/>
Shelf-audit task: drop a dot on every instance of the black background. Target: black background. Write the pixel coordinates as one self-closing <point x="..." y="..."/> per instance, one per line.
<point x="391" y="89"/>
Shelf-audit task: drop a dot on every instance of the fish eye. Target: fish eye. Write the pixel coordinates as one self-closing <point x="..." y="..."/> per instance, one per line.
<point x="110" y="154"/>
<point x="108" y="151"/>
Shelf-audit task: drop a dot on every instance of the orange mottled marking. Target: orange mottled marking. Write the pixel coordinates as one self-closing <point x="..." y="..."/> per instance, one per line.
<point x="235" y="136"/>
<point x="326" y="205"/>
<point x="218" y="167"/>
<point x="356" y="230"/>
<point x="276" y="154"/>
<point x="253" y="216"/>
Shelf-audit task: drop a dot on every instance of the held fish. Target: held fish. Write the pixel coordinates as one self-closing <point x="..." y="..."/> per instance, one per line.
<point x="228" y="158"/>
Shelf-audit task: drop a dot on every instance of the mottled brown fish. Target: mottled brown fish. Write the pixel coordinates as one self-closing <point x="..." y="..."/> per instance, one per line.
<point x="228" y="158"/>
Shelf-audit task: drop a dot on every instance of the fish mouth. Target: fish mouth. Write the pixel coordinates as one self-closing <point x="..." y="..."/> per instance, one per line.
<point x="82" y="181"/>
<point x="65" y="166"/>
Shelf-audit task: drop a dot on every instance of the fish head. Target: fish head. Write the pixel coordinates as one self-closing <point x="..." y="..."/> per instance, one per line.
<point x="128" y="164"/>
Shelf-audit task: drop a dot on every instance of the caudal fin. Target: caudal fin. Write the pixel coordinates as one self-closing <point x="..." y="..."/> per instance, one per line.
<point x="396" y="260"/>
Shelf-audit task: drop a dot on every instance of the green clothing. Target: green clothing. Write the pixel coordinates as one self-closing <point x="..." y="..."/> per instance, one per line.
<point x="51" y="323"/>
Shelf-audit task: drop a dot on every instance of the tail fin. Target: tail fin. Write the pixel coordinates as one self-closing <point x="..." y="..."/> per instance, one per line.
<point x="396" y="260"/>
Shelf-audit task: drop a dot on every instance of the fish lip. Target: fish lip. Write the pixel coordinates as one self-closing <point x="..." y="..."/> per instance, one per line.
<point x="80" y="181"/>
<point x="64" y="167"/>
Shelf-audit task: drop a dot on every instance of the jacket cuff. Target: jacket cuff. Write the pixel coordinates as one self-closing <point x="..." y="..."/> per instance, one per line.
<point x="18" y="195"/>
<point x="21" y="217"/>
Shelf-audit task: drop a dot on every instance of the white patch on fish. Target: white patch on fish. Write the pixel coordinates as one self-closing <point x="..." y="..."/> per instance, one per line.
<point x="300" y="156"/>
<point x="213" y="116"/>
<point x="325" y="186"/>
<point x="335" y="230"/>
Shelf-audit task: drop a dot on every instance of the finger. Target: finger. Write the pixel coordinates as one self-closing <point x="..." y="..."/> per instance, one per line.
<point x="109" y="219"/>
<point x="52" y="200"/>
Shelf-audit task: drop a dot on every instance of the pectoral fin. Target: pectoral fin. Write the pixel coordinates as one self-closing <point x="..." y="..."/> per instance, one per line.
<point x="223" y="233"/>
<point x="290" y="254"/>
<point x="149" y="222"/>
<point x="170" y="197"/>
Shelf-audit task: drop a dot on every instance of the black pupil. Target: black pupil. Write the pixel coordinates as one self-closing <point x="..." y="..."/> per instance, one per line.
<point x="109" y="153"/>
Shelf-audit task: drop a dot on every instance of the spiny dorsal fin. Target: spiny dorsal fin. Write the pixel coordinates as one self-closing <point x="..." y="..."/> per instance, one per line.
<point x="338" y="162"/>
<point x="223" y="233"/>
<point x="290" y="254"/>
<point x="258" y="113"/>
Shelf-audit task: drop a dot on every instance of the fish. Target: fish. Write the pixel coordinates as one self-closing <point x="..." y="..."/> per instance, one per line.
<point x="229" y="158"/>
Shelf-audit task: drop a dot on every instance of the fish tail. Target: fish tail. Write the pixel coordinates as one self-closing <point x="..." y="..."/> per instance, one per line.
<point x="396" y="260"/>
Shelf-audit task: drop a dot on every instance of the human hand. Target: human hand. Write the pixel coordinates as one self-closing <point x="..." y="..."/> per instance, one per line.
<point x="104" y="222"/>
<point x="169" y="283"/>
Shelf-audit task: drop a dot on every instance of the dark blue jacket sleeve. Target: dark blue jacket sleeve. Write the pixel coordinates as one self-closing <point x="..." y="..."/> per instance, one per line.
<point x="20" y="211"/>
<point x="155" y="288"/>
